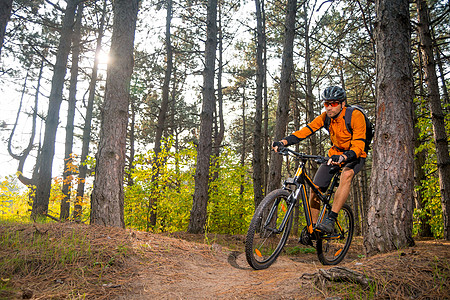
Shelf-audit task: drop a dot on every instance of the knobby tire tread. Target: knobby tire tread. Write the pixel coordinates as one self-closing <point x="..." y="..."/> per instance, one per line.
<point x="265" y="205"/>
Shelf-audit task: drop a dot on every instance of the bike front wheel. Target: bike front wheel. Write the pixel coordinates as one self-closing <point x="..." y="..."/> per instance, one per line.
<point x="332" y="248"/>
<point x="268" y="233"/>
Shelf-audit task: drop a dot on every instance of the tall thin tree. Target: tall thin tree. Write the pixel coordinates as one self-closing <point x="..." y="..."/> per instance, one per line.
<point x="287" y="67"/>
<point x="107" y="199"/>
<point x="83" y="169"/>
<point x="198" y="216"/>
<point x="437" y="114"/>
<point x="258" y="141"/>
<point x="162" y="111"/>
<point x="44" y="166"/>
<point x="68" y="145"/>
<point x="5" y="14"/>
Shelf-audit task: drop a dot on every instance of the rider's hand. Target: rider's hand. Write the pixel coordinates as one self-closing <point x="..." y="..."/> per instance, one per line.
<point x="275" y="145"/>
<point x="336" y="160"/>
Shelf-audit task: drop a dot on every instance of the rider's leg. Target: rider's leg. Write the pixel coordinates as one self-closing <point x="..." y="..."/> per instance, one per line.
<point x="342" y="192"/>
<point x="322" y="179"/>
<point x="314" y="203"/>
<point x="340" y="197"/>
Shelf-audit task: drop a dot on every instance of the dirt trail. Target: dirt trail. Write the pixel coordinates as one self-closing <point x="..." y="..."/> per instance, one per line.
<point x="179" y="268"/>
<point x="127" y="264"/>
<point x="186" y="270"/>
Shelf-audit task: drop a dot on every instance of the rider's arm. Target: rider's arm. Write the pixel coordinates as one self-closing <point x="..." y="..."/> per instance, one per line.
<point x="306" y="131"/>
<point x="357" y="143"/>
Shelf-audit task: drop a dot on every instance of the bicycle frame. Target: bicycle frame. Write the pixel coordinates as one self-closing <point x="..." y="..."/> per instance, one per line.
<point x="300" y="180"/>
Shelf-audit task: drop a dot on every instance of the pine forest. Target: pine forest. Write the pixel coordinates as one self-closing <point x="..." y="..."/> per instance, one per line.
<point x="160" y="115"/>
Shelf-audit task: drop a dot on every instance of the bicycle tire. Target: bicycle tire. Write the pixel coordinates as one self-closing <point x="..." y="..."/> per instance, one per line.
<point x="263" y="245"/>
<point x="332" y="248"/>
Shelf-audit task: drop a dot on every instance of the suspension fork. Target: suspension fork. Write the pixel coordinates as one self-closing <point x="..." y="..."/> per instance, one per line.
<point x="291" y="200"/>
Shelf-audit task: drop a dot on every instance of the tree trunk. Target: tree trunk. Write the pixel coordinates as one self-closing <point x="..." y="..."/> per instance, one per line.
<point x="108" y="195"/>
<point x="5" y="14"/>
<point x="419" y="161"/>
<point x="437" y="115"/>
<point x="445" y="96"/>
<point x="132" y="140"/>
<point x="200" y="200"/>
<point x="266" y="144"/>
<point x="68" y="163"/>
<point x="392" y="184"/>
<point x="162" y="114"/>
<point x="355" y="196"/>
<point x="219" y="125"/>
<point x="364" y="207"/>
<point x="22" y="157"/>
<point x="282" y="112"/>
<point x="243" y="140"/>
<point x="78" y="206"/>
<point x="258" y="170"/>
<point x="310" y="115"/>
<point x="44" y="182"/>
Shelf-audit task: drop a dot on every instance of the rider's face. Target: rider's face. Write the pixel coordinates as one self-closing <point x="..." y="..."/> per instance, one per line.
<point x="333" y="108"/>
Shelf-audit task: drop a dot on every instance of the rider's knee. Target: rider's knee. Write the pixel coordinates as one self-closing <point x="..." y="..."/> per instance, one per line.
<point x="347" y="174"/>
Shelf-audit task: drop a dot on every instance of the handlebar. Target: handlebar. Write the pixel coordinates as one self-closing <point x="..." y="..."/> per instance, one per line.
<point x="288" y="152"/>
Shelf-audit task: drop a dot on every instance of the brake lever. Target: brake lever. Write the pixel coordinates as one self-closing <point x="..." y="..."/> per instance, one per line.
<point x="320" y="160"/>
<point x="283" y="151"/>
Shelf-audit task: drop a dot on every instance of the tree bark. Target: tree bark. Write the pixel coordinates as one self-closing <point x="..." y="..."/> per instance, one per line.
<point x="200" y="200"/>
<point x="266" y="145"/>
<point x="83" y="170"/>
<point x="392" y="184"/>
<point x="219" y="125"/>
<point x="44" y="181"/>
<point x="22" y="157"/>
<point x="310" y="115"/>
<point x="419" y="176"/>
<point x="282" y="112"/>
<point x="258" y="170"/>
<point x="437" y="114"/>
<point x="162" y="113"/>
<point x="107" y="199"/>
<point x="5" y="14"/>
<point x="68" y="162"/>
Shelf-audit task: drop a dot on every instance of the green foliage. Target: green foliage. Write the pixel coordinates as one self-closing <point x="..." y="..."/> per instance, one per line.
<point x="429" y="188"/>
<point x="231" y="206"/>
<point x="229" y="210"/>
<point x="14" y="204"/>
<point x="15" y="199"/>
<point x="173" y="189"/>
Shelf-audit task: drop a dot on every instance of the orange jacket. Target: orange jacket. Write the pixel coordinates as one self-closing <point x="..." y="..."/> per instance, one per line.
<point x="341" y="139"/>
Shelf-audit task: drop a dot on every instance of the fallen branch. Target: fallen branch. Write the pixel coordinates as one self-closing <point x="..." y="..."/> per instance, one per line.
<point x="339" y="274"/>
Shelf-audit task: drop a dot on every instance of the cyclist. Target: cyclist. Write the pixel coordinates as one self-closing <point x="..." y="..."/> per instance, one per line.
<point x="347" y="149"/>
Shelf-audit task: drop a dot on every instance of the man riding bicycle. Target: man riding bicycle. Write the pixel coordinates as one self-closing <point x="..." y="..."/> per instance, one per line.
<point x="348" y="149"/>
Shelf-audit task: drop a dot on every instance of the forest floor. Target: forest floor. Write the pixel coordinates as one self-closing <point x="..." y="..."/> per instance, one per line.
<point x="73" y="261"/>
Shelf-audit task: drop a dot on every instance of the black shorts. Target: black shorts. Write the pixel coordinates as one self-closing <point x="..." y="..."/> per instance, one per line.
<point x="323" y="175"/>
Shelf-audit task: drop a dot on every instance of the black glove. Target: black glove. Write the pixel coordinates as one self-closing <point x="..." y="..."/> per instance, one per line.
<point x="277" y="144"/>
<point x="351" y="155"/>
<point x="337" y="158"/>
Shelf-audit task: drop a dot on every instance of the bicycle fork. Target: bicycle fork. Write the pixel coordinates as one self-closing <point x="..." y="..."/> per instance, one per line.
<point x="291" y="200"/>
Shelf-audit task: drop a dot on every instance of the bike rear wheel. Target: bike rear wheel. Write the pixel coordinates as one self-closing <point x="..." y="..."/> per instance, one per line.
<point x="332" y="248"/>
<point x="265" y="239"/>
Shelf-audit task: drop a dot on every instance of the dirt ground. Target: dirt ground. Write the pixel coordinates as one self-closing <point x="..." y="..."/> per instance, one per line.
<point x="186" y="266"/>
<point x="182" y="266"/>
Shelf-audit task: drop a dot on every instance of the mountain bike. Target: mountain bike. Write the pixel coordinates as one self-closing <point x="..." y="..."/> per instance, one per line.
<point x="271" y="224"/>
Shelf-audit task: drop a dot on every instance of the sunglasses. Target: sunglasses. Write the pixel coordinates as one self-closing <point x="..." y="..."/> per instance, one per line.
<point x="333" y="104"/>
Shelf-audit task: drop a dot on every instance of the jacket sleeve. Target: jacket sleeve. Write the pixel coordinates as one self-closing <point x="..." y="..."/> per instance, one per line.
<point x="358" y="141"/>
<point x="306" y="131"/>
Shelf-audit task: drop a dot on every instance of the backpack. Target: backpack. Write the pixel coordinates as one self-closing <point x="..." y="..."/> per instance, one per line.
<point x="348" y="122"/>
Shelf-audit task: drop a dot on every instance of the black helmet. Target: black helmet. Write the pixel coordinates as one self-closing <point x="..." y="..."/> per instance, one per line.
<point x="334" y="93"/>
